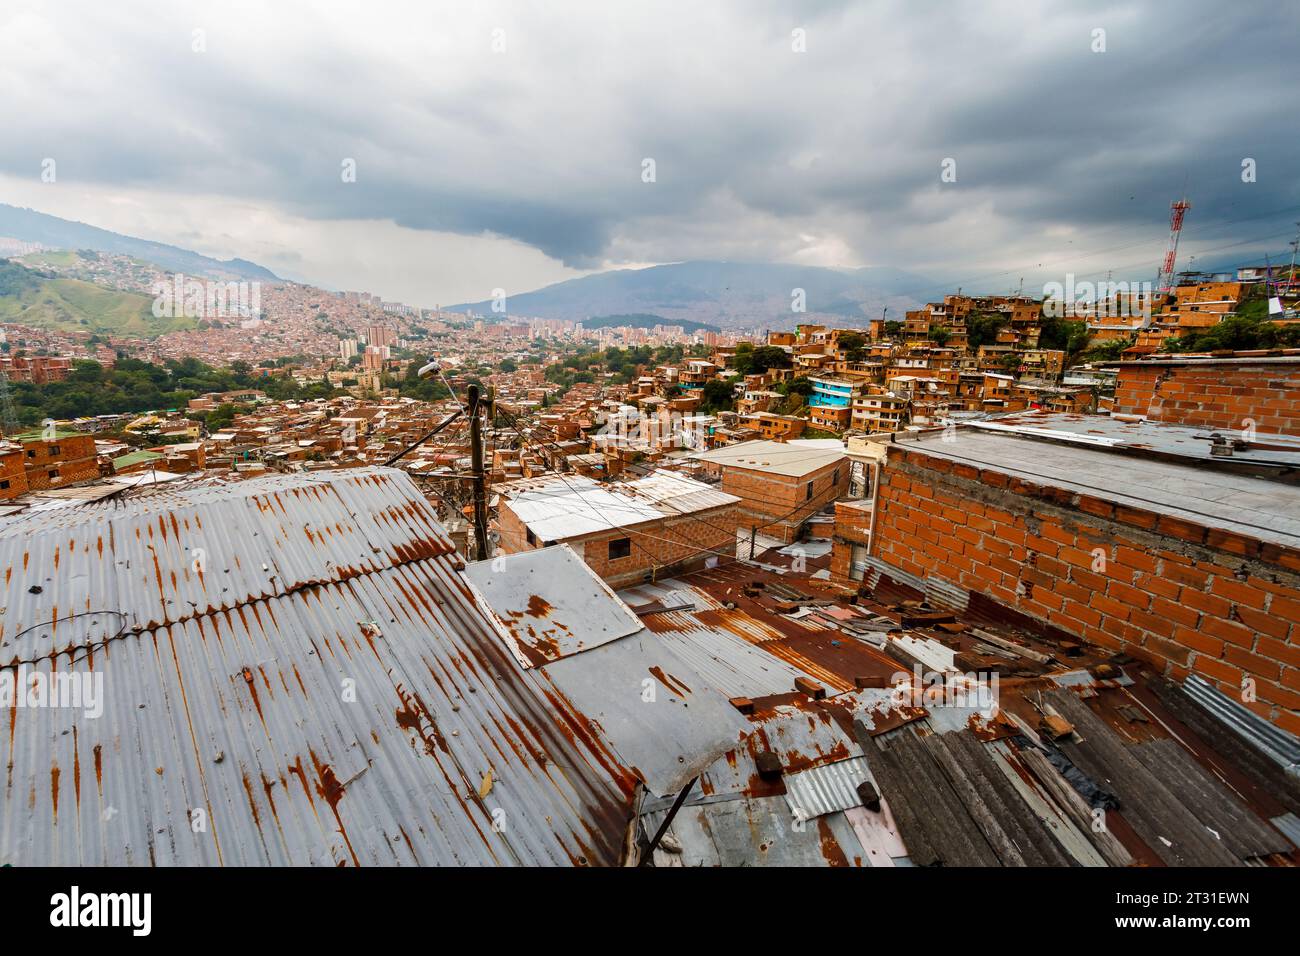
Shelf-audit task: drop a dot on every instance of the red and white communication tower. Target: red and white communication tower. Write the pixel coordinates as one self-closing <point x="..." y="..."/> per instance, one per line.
<point x="1165" y="278"/>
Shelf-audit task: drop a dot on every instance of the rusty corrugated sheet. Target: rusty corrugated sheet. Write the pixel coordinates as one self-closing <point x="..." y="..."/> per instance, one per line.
<point x="324" y="691"/>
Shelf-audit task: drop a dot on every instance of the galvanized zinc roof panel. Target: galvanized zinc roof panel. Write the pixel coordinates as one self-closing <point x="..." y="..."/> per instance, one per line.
<point x="172" y="556"/>
<point x="826" y="789"/>
<point x="550" y="603"/>
<point x="662" y="719"/>
<point x="353" y="723"/>
<point x="363" y="711"/>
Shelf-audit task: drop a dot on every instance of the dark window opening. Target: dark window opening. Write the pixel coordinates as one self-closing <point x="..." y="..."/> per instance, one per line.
<point x="620" y="548"/>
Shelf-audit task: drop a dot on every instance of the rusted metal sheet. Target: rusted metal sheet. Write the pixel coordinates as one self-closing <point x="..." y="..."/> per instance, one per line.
<point x="550" y="604"/>
<point x="349" y="715"/>
<point x="176" y="555"/>
<point x="755" y="831"/>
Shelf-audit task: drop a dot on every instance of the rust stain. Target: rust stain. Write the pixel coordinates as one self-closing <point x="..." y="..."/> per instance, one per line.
<point x="538" y="606"/>
<point x="328" y="786"/>
<point x="673" y="684"/>
<point x="831" y="849"/>
<point x="76" y="767"/>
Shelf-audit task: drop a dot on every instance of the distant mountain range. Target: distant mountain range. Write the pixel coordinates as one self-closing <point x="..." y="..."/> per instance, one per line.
<point x="28" y="225"/>
<point x="725" y="294"/>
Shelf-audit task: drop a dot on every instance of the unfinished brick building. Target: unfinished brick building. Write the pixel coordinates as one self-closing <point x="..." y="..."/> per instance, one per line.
<point x="780" y="484"/>
<point x="1130" y="536"/>
<point x="58" y="460"/>
<point x="627" y="532"/>
<point x="1238" y="392"/>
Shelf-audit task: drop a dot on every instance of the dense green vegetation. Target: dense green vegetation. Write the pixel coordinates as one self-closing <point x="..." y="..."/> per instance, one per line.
<point x="854" y="346"/>
<point x="719" y="396"/>
<point x="1238" y="333"/>
<point x="411" y="385"/>
<point x="753" y="361"/>
<point x="134" y="386"/>
<point x="1070" y="336"/>
<point x="982" y="329"/>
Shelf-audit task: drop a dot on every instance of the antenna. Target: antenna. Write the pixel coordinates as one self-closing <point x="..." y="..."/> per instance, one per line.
<point x="1165" y="278"/>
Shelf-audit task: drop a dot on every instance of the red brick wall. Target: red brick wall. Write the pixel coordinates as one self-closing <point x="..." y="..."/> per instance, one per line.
<point x="12" y="475"/>
<point x="1183" y="597"/>
<point x="1214" y="394"/>
<point x="766" y="497"/>
<point x="852" y="526"/>
<point x="667" y="546"/>
<point x="74" y="461"/>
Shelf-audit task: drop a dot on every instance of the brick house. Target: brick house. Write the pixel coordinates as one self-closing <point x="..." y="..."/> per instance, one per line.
<point x="780" y="484"/>
<point x="627" y="532"/>
<point x="13" y="476"/>
<point x="65" y="458"/>
<point x="1185" y="564"/>
<point x="1229" y="392"/>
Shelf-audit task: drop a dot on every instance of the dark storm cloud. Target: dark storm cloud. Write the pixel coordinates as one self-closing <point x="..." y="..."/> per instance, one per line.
<point x="758" y="149"/>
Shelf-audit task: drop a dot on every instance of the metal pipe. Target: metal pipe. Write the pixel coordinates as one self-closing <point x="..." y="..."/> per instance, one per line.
<point x="424" y="438"/>
<point x="668" y="821"/>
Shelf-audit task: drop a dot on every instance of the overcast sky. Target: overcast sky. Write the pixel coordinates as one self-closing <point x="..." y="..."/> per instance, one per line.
<point x="503" y="145"/>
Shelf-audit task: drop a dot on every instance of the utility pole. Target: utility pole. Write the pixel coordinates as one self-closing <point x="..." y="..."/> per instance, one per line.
<point x="8" y="419"/>
<point x="480" y="480"/>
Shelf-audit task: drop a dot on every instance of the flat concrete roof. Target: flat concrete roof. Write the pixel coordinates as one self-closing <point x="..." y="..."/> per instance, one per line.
<point x="1254" y="507"/>
<point x="1138" y="436"/>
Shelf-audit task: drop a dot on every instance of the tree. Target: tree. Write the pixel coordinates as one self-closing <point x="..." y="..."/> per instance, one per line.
<point x="982" y="329"/>
<point x="1237" y="333"/>
<point x="802" y="386"/>
<point x="718" y="396"/>
<point x="769" y="356"/>
<point x="1070" y="336"/>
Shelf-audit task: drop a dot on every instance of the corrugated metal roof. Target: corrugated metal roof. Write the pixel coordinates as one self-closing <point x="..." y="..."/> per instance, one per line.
<point x="579" y="611"/>
<point x="826" y="789"/>
<point x="755" y="831"/>
<point x="1276" y="743"/>
<point x="173" y="555"/>
<point x="558" y="508"/>
<point x="324" y="691"/>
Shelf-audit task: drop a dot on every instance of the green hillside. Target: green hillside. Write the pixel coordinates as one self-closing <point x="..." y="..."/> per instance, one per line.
<point x="28" y="297"/>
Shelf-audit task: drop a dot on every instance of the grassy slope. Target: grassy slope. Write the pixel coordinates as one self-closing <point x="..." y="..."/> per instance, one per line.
<point x="73" y="305"/>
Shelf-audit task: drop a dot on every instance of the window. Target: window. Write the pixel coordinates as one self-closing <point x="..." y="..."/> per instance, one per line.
<point x="532" y="538"/>
<point x="620" y="548"/>
<point x="54" y="473"/>
<point x="808" y="496"/>
<point x="858" y="562"/>
<point x="4" y="483"/>
<point x="54" y="449"/>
